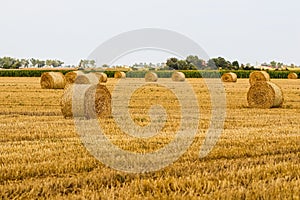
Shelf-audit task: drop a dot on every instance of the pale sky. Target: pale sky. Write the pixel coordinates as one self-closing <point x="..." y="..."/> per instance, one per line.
<point x="246" y="30"/>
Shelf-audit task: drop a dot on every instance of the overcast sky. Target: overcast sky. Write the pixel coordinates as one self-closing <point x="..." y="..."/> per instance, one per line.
<point x="246" y="30"/>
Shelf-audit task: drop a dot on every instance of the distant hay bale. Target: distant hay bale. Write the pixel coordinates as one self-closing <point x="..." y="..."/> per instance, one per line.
<point x="258" y="76"/>
<point x="120" y="74"/>
<point x="151" y="77"/>
<point x="101" y="76"/>
<point x="71" y="76"/>
<point x="96" y="101"/>
<point x="292" y="76"/>
<point x="265" y="95"/>
<point x="52" y="80"/>
<point x="229" y="77"/>
<point x="90" y="78"/>
<point x="178" y="77"/>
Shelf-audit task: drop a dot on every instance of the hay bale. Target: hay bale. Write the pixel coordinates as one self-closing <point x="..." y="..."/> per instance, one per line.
<point x="52" y="80"/>
<point x="229" y="77"/>
<point x="66" y="101"/>
<point x="90" y="78"/>
<point x="101" y="76"/>
<point x="71" y="76"/>
<point x="151" y="77"/>
<point x="258" y="76"/>
<point x="119" y="74"/>
<point x="96" y="101"/>
<point x="265" y="94"/>
<point x="178" y="77"/>
<point x="292" y="76"/>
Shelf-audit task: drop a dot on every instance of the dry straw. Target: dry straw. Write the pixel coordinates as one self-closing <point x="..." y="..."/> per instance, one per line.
<point x="265" y="95"/>
<point x="71" y="76"/>
<point x="52" y="80"/>
<point x="90" y="78"/>
<point x="229" y="77"/>
<point x="258" y="76"/>
<point x="292" y="76"/>
<point x="178" y="76"/>
<point x="101" y="76"/>
<point x="96" y="100"/>
<point x="151" y="77"/>
<point x="66" y="101"/>
<point x="119" y="74"/>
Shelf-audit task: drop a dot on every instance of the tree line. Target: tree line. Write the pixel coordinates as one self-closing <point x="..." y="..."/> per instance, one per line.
<point x="192" y="62"/>
<point x="14" y="63"/>
<point x="195" y="63"/>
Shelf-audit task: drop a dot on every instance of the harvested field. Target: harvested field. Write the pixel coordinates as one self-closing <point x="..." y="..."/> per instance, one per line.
<point x="41" y="155"/>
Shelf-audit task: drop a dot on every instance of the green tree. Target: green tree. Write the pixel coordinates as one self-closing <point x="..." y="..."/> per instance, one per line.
<point x="196" y="62"/>
<point x="25" y="63"/>
<point x="54" y="63"/>
<point x="211" y="64"/>
<point x="273" y="63"/>
<point x="105" y="65"/>
<point x="38" y="63"/>
<point x="92" y="63"/>
<point x="10" y="63"/>
<point x="220" y="63"/>
<point x="235" y="65"/>
<point x="172" y="63"/>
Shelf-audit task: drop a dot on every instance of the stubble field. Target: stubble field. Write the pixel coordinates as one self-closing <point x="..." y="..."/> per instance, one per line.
<point x="41" y="155"/>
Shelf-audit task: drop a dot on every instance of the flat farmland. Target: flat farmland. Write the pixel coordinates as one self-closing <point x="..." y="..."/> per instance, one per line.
<point x="256" y="157"/>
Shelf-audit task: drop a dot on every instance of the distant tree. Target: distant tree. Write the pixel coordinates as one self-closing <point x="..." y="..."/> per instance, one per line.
<point x="183" y="65"/>
<point x="273" y="63"/>
<point x="37" y="62"/>
<point x="6" y="62"/>
<point x="16" y="64"/>
<point x="25" y="63"/>
<point x="235" y="65"/>
<point x="195" y="61"/>
<point x="211" y="64"/>
<point x="41" y="63"/>
<point x="220" y="63"/>
<point x="92" y="63"/>
<point x="87" y="63"/>
<point x="10" y="63"/>
<point x="279" y="64"/>
<point x="172" y="63"/>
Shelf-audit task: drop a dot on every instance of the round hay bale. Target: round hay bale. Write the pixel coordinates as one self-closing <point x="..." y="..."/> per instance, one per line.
<point x="292" y="76"/>
<point x="66" y="101"/>
<point x="119" y="74"/>
<point x="90" y="78"/>
<point x="151" y="77"/>
<point x="53" y="80"/>
<point x="97" y="102"/>
<point x="71" y="76"/>
<point x="178" y="77"/>
<point x="258" y="76"/>
<point x="101" y="76"/>
<point x="229" y="77"/>
<point x="265" y="94"/>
